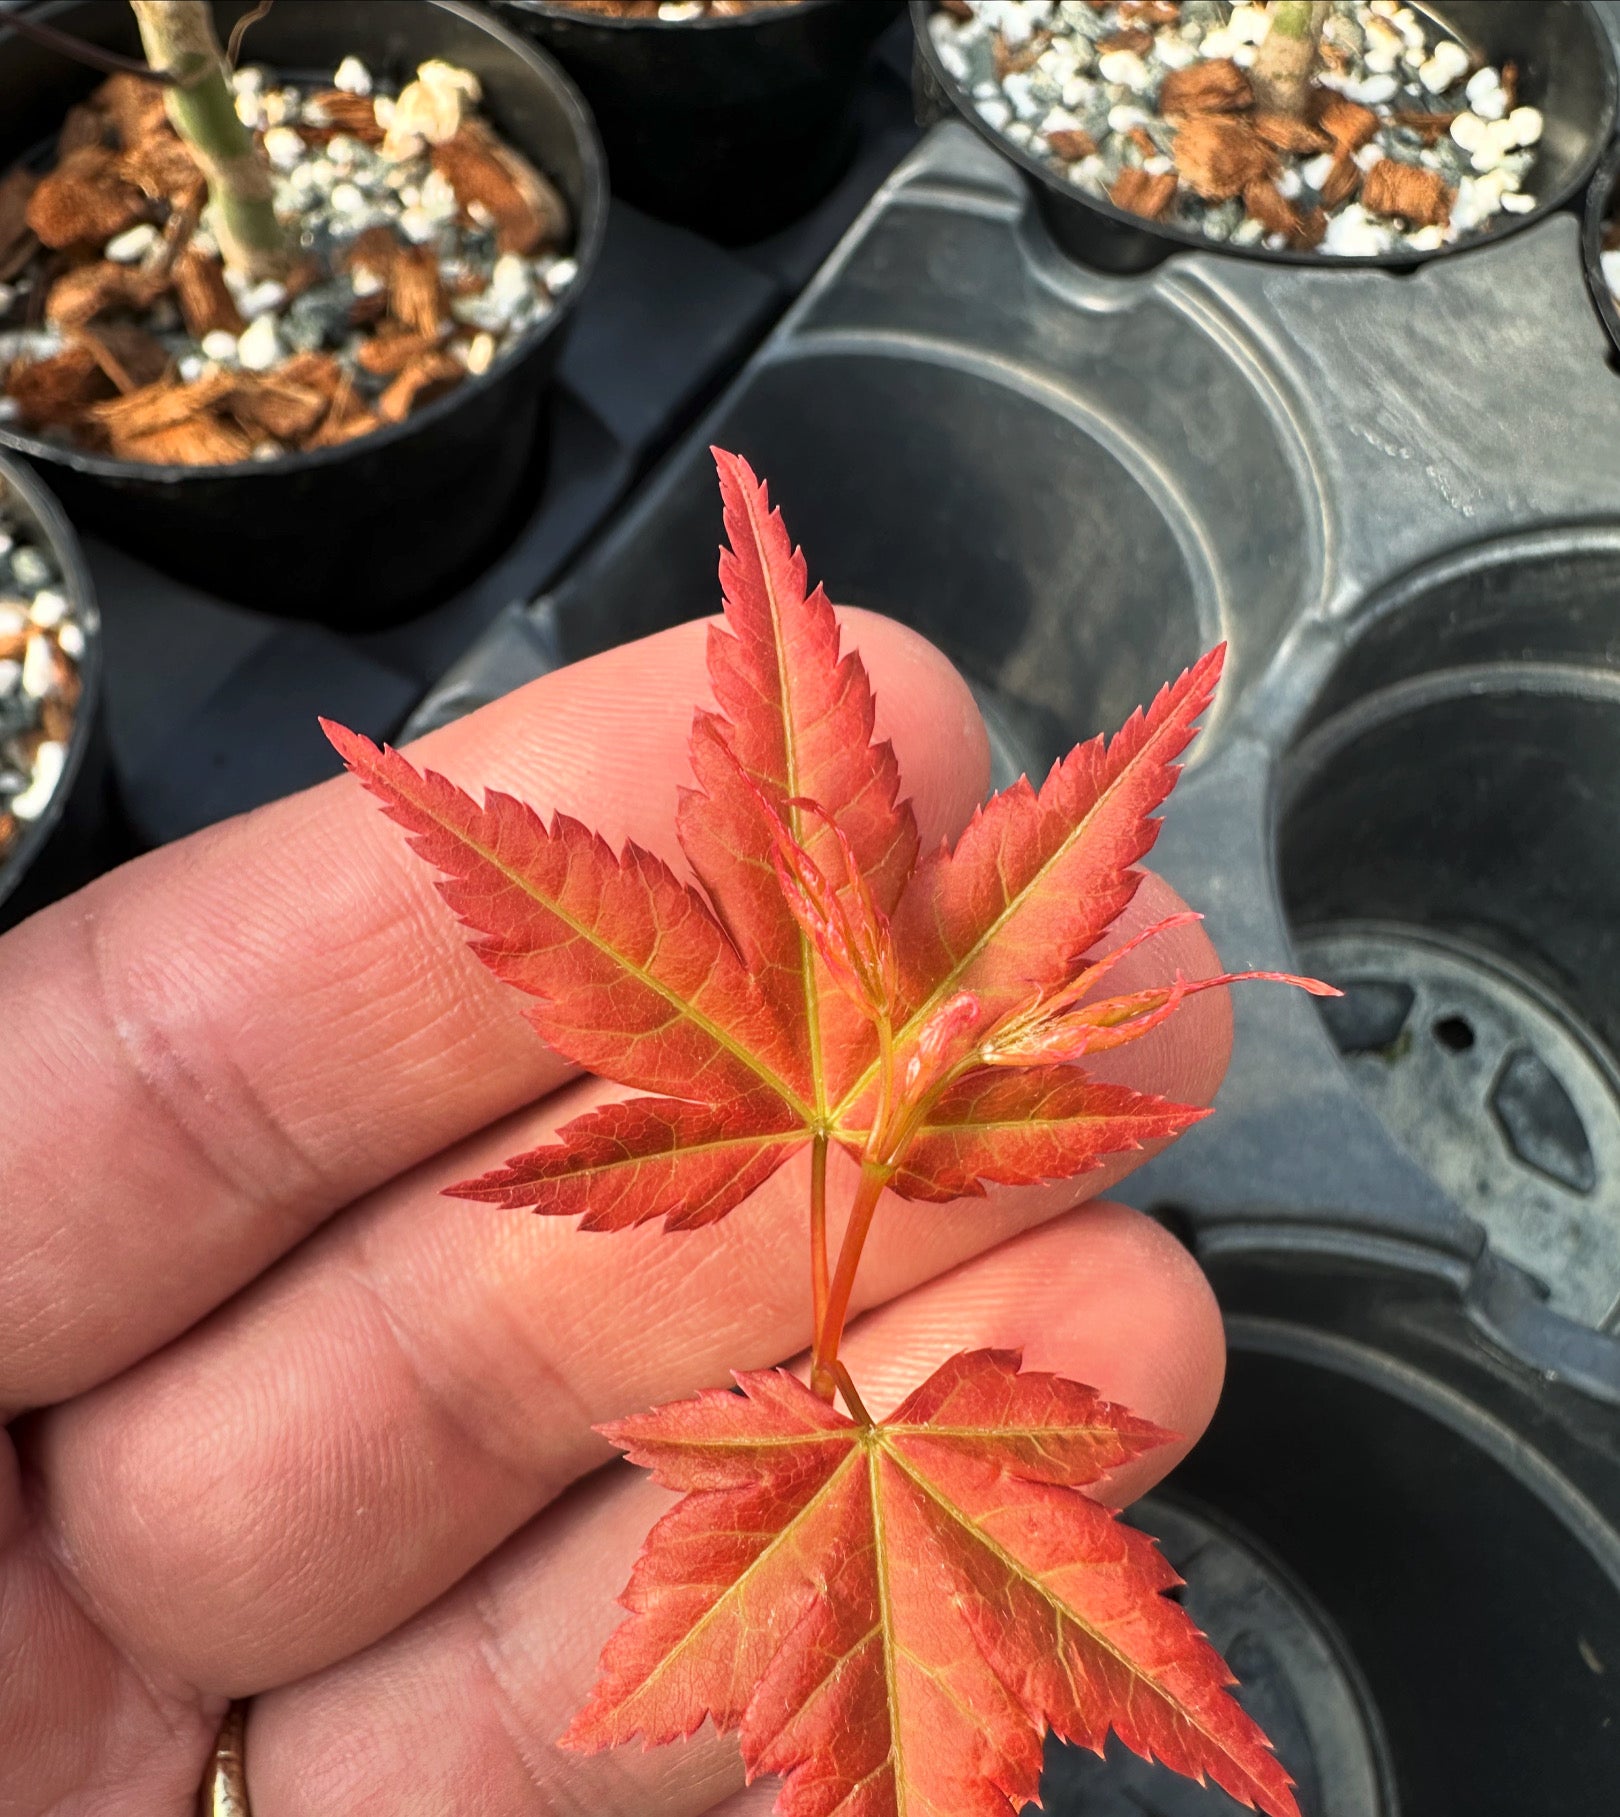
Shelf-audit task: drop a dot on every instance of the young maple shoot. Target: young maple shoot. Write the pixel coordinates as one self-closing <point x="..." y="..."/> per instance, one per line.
<point x="891" y="1613"/>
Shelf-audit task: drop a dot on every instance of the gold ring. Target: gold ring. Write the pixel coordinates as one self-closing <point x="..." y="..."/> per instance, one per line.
<point x="224" y="1786"/>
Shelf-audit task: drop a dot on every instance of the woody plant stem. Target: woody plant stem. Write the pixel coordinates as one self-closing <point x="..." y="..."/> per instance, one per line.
<point x="178" y="37"/>
<point x="1286" y="60"/>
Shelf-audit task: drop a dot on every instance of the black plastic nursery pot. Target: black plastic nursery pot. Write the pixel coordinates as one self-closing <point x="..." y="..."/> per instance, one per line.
<point x="1452" y="1516"/>
<point x="1402" y="1544"/>
<point x="732" y="125"/>
<point x="1565" y="68"/>
<point x="364" y="534"/>
<point x="55" y="852"/>
<point x="1600" y="208"/>
<point x="1474" y="921"/>
<point x="926" y="488"/>
<point x="1297" y="1676"/>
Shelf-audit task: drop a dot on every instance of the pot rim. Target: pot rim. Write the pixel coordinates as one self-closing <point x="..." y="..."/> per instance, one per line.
<point x="611" y="22"/>
<point x="1182" y="239"/>
<point x="1599" y="198"/>
<point x="42" y="515"/>
<point x="588" y="236"/>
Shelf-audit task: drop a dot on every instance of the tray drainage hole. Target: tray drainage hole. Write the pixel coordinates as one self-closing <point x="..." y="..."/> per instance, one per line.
<point x="1540" y="1122"/>
<point x="1454" y="1033"/>
<point x="1370" y="1018"/>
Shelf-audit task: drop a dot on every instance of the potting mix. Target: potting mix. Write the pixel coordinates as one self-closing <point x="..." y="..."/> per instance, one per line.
<point x="1409" y="141"/>
<point x="41" y="644"/>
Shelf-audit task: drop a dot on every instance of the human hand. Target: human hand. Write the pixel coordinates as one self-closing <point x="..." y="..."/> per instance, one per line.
<point x="288" y="1422"/>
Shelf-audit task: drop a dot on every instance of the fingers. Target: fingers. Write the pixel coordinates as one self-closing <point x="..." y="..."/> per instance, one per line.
<point x="345" y="1440"/>
<point x="213" y="1049"/>
<point x="460" y="1710"/>
<point x="80" y="1731"/>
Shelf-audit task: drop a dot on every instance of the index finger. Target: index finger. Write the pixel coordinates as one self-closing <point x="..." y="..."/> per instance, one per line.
<point x="223" y="1043"/>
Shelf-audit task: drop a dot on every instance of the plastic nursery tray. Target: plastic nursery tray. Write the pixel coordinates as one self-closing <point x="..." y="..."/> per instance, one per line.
<point x="1397" y="498"/>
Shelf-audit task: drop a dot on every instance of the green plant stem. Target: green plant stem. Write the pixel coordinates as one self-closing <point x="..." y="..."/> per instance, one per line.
<point x="1286" y="60"/>
<point x="873" y="1179"/>
<point x="178" y="37"/>
<point x="1297" y="18"/>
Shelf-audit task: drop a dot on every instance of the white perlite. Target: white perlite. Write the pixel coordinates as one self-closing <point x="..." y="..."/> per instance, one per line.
<point x="131" y="246"/>
<point x="352" y="77"/>
<point x="259" y="346"/>
<point x="283" y="147"/>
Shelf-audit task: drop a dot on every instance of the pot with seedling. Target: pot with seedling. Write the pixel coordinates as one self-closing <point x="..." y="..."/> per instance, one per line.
<point x="732" y="117"/>
<point x="1317" y="132"/>
<point x="286" y="329"/>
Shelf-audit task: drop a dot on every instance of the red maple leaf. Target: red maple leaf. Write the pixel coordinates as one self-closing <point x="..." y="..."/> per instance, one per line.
<point x="824" y="987"/>
<point x="893" y="1615"/>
